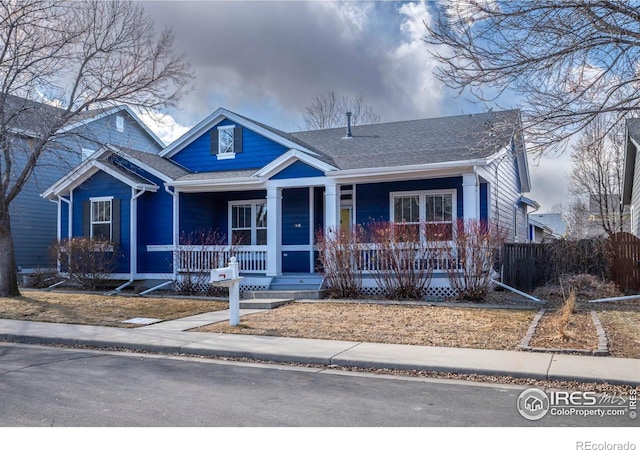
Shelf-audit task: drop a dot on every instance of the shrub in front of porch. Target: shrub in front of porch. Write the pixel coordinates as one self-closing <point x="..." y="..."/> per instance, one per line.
<point x="403" y="257"/>
<point x="340" y="261"/>
<point x="471" y="256"/>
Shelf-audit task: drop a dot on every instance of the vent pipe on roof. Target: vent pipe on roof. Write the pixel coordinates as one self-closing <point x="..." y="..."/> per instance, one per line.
<point x="348" y="125"/>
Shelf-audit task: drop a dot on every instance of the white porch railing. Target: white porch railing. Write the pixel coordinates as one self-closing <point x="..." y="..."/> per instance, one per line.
<point x="371" y="258"/>
<point x="251" y="258"/>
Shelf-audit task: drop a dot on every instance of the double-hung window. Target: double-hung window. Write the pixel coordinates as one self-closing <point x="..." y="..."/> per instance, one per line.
<point x="248" y="222"/>
<point x="101" y="218"/>
<point x="429" y="212"/>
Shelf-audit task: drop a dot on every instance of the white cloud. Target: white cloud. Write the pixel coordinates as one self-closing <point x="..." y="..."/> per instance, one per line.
<point x="163" y="125"/>
<point x="409" y="66"/>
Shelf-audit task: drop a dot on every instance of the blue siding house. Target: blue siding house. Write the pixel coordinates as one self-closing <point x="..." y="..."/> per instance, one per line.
<point x="33" y="219"/>
<point x="268" y="192"/>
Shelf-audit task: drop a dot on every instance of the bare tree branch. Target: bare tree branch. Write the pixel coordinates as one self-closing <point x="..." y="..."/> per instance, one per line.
<point x="569" y="60"/>
<point x="78" y="56"/>
<point x="327" y="110"/>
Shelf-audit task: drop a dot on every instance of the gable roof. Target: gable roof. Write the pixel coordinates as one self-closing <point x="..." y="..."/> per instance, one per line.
<point x="160" y="167"/>
<point x="554" y="221"/>
<point x="280" y="137"/>
<point x="31" y="118"/>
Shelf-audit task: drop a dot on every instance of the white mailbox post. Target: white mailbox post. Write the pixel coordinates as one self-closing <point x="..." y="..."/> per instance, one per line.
<point x="230" y="276"/>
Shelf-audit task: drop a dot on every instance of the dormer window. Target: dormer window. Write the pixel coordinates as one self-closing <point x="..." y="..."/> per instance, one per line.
<point x="226" y="141"/>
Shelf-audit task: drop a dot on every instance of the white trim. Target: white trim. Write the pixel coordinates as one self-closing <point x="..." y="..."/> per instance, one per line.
<point x="422" y="204"/>
<point x="93" y="222"/>
<point x="228" y="155"/>
<point x="160" y="248"/>
<point x="634" y="220"/>
<point x="289" y="158"/>
<point x="75" y="173"/>
<point x="117" y="175"/>
<point x="407" y="169"/>
<point x="254" y="229"/>
<point x="218" y="116"/>
<point x="296" y="182"/>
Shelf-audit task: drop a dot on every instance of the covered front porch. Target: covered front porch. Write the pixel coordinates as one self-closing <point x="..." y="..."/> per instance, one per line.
<point x="272" y="229"/>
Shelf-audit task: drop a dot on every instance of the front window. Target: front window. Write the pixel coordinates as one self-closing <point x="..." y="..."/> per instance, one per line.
<point x="433" y="209"/>
<point x="249" y="223"/>
<point x="101" y="219"/>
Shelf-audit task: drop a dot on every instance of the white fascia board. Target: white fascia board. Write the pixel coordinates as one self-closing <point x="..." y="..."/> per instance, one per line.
<point x="218" y="116"/>
<point x="290" y="157"/>
<point x="24" y="132"/>
<point x="223" y="185"/>
<point x="140" y="164"/>
<point x="400" y="170"/>
<point x="126" y="180"/>
<point x="75" y="173"/>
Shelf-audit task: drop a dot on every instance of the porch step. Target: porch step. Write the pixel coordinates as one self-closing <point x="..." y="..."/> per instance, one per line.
<point x="266" y="303"/>
<point x="296" y="282"/>
<point x="289" y="295"/>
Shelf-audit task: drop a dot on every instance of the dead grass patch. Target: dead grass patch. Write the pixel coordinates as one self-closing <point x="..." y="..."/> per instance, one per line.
<point x="92" y="309"/>
<point x="578" y="332"/>
<point x="500" y="329"/>
<point x="623" y="332"/>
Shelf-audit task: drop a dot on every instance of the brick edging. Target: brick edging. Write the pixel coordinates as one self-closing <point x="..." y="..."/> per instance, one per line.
<point x="603" y="342"/>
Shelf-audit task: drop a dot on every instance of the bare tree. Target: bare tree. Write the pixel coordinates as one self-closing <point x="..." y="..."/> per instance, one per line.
<point x="569" y="60"/>
<point x="576" y="215"/>
<point x="327" y="110"/>
<point x="597" y="175"/>
<point x="80" y="55"/>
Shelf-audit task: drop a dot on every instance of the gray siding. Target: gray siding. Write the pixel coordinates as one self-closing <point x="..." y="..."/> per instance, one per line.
<point x="635" y="197"/>
<point x="504" y="186"/>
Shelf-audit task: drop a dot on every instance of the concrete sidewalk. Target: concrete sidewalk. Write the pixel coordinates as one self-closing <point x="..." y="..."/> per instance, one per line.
<point x="170" y="337"/>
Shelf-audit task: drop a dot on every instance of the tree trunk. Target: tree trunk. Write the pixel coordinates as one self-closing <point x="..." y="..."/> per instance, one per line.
<point x="8" y="268"/>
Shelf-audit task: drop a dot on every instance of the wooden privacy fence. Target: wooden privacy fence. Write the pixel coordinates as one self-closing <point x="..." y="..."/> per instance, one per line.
<point x="526" y="266"/>
<point x="625" y="261"/>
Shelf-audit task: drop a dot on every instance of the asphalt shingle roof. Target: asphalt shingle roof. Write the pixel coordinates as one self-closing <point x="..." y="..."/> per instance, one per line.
<point x="162" y="165"/>
<point x="424" y="141"/>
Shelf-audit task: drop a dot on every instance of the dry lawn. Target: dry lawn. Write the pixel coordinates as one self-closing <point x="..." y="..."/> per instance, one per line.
<point x="393" y="324"/>
<point x="91" y="309"/>
<point x="623" y="331"/>
<point x="579" y="334"/>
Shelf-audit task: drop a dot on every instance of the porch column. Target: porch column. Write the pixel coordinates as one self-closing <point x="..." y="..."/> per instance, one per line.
<point x="470" y="196"/>
<point x="274" y="231"/>
<point x="332" y="207"/>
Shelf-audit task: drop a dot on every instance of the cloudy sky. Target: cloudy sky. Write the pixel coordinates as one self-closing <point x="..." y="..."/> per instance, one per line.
<point x="266" y="60"/>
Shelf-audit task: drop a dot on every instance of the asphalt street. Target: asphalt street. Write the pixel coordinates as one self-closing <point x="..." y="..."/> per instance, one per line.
<point x="50" y="386"/>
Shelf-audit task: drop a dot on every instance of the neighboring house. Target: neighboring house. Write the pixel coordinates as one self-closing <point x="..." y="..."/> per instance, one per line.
<point x="631" y="179"/>
<point x="547" y="226"/>
<point x="33" y="219"/>
<point x="274" y="190"/>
